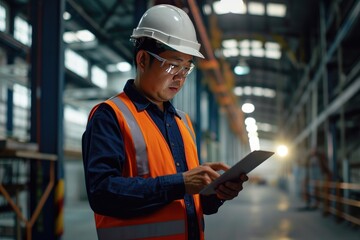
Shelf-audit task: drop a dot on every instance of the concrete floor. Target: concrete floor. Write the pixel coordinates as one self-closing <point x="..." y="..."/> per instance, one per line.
<point x="258" y="213"/>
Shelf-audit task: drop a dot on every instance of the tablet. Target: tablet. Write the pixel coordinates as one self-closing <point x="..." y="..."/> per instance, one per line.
<point x="245" y="165"/>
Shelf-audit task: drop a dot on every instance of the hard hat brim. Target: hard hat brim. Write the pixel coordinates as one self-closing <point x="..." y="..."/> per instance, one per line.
<point x="176" y="43"/>
<point x="186" y="50"/>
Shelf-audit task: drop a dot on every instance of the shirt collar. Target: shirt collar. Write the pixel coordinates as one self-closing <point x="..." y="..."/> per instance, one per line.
<point x="141" y="102"/>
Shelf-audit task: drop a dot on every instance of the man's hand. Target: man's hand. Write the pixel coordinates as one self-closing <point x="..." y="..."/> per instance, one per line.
<point x="197" y="178"/>
<point x="231" y="189"/>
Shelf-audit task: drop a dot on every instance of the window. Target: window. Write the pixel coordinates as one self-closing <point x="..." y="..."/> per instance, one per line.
<point x="2" y="18"/>
<point x="22" y="31"/>
<point x="21" y="96"/>
<point x="76" y="63"/>
<point x="98" y="77"/>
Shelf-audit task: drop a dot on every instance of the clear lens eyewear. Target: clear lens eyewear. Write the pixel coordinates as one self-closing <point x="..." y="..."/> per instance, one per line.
<point x="172" y="67"/>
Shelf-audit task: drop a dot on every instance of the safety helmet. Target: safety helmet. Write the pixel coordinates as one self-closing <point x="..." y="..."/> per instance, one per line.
<point x="171" y="26"/>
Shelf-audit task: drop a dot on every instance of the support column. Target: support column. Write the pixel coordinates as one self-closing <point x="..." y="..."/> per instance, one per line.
<point x="314" y="114"/>
<point x="47" y="83"/>
<point x="198" y="120"/>
<point x="327" y="132"/>
<point x="10" y="89"/>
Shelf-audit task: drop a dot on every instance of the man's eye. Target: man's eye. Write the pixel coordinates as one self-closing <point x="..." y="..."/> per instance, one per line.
<point x="174" y="66"/>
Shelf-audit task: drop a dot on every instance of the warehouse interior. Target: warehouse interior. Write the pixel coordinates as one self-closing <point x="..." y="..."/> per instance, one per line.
<point x="278" y="75"/>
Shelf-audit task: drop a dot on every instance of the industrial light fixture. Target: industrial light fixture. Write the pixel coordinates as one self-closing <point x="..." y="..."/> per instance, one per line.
<point x="242" y="68"/>
<point x="228" y="6"/>
<point x="248" y="107"/>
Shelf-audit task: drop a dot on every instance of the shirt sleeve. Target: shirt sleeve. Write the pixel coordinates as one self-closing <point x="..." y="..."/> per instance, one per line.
<point x="210" y="204"/>
<point x="110" y="193"/>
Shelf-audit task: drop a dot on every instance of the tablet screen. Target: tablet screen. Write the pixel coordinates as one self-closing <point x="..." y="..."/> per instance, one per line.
<point x="245" y="165"/>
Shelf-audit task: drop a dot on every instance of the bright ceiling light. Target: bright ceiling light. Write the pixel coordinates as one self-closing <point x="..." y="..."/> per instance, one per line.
<point x="257" y="91"/>
<point x="273" y="53"/>
<point x="242" y="68"/>
<point x="272" y="45"/>
<point x="228" y="6"/>
<point x="282" y="150"/>
<point x="247" y="90"/>
<point x="70" y="37"/>
<point x="230" y="43"/>
<point x="256" y="44"/>
<point x="238" y="91"/>
<point x="254" y="143"/>
<point x="258" y="52"/>
<point x="219" y="8"/>
<point x="256" y="8"/>
<point x="85" y="35"/>
<point x="250" y="121"/>
<point x="270" y="93"/>
<point x="230" y="52"/>
<point x="207" y="9"/>
<point x="245" y="52"/>
<point x="66" y="16"/>
<point x="276" y="9"/>
<point x="251" y="128"/>
<point x="123" y="66"/>
<point x="248" y="108"/>
<point x="226" y="52"/>
<point x="239" y="7"/>
<point x="265" y="127"/>
<point x="253" y="135"/>
<point x="244" y="43"/>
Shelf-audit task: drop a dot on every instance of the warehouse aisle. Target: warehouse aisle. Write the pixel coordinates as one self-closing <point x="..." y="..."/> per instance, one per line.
<point x="266" y="213"/>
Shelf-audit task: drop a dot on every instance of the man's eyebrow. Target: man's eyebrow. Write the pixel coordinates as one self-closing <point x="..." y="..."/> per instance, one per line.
<point x="182" y="60"/>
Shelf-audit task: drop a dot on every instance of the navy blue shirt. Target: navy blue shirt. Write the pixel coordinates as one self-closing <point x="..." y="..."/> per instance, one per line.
<point x="104" y="156"/>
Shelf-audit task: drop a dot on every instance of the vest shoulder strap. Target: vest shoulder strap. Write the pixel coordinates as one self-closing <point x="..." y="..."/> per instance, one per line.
<point x="142" y="161"/>
<point x="187" y="123"/>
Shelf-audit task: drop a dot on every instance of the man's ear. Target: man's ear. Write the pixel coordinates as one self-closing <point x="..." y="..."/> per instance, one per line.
<point x="141" y="57"/>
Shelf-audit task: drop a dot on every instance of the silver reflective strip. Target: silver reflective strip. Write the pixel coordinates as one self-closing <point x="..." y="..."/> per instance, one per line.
<point x="184" y="119"/>
<point x="142" y="231"/>
<point x="138" y="138"/>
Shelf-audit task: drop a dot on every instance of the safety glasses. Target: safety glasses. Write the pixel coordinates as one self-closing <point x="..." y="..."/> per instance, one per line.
<point x="173" y="68"/>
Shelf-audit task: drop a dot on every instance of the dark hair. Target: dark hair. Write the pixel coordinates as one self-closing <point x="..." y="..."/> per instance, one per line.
<point x="147" y="44"/>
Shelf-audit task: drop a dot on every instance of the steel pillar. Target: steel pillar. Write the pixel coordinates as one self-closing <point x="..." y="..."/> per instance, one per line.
<point x="47" y="83"/>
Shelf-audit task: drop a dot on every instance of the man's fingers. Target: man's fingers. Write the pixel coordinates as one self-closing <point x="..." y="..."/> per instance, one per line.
<point x="216" y="166"/>
<point x="211" y="173"/>
<point x="244" y="177"/>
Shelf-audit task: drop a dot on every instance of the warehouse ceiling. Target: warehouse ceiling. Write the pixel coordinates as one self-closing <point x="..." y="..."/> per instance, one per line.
<point x="273" y="79"/>
<point x="112" y="21"/>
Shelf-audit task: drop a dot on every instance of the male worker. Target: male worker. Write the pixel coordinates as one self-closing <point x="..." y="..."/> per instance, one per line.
<point x="141" y="165"/>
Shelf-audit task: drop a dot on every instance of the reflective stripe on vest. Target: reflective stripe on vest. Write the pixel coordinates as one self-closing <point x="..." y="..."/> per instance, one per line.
<point x="184" y="119"/>
<point x="150" y="230"/>
<point x="138" y="138"/>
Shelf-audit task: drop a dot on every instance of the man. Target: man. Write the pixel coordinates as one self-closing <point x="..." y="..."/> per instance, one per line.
<point x="141" y="166"/>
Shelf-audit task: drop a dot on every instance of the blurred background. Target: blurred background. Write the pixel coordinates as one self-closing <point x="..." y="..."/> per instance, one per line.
<point x="279" y="75"/>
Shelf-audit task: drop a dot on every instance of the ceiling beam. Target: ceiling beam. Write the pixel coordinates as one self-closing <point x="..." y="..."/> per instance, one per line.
<point x="334" y="106"/>
<point x="83" y="18"/>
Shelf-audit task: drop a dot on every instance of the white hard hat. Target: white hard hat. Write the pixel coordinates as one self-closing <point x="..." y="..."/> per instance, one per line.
<point x="171" y="26"/>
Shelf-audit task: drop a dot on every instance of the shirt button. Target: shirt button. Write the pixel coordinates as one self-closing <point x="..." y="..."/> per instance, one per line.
<point x="177" y="164"/>
<point x="168" y="125"/>
<point x="172" y="144"/>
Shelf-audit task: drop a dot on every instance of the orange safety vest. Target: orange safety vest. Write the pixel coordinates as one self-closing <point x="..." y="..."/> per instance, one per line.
<point x="144" y="150"/>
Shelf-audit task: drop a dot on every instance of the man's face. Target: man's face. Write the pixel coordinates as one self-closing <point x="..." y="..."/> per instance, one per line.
<point x="156" y="82"/>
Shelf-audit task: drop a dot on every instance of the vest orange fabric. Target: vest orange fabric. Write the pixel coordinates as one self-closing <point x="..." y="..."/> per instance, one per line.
<point x="170" y="221"/>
